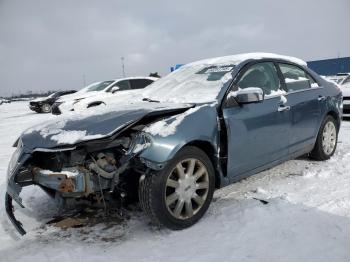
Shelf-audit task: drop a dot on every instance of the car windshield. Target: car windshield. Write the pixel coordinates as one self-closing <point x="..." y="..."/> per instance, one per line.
<point x="190" y="84"/>
<point x="98" y="86"/>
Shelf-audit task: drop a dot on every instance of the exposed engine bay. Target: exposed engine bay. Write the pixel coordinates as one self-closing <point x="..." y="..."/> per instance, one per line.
<point x="83" y="174"/>
<point x="103" y="172"/>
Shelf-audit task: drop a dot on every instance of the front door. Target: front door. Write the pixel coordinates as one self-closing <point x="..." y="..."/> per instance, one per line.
<point x="258" y="133"/>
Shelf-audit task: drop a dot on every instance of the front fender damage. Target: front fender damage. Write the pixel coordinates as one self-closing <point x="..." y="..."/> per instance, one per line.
<point x="102" y="172"/>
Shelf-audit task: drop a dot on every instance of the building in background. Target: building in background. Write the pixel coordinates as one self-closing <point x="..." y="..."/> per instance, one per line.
<point x="177" y="66"/>
<point x="332" y="66"/>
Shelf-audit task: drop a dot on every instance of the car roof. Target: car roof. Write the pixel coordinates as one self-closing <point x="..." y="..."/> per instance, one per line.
<point x="136" y="77"/>
<point x="239" y="58"/>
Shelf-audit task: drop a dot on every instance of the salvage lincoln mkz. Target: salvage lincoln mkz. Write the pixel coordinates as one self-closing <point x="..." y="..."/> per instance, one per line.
<point x="204" y="126"/>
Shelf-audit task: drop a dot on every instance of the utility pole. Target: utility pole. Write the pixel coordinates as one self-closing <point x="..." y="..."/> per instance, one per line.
<point x="123" y="67"/>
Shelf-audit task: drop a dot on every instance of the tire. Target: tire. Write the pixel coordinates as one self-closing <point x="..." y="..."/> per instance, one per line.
<point x="194" y="191"/>
<point x="321" y="151"/>
<point x="46" y="108"/>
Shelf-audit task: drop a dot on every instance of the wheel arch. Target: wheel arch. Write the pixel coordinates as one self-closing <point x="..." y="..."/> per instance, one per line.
<point x="209" y="149"/>
<point x="333" y="114"/>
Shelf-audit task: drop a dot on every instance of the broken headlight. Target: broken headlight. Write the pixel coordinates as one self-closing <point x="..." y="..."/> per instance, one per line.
<point x="14" y="159"/>
<point x="139" y="143"/>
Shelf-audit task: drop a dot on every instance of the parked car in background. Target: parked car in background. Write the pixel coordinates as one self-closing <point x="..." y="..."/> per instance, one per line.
<point x="44" y="104"/>
<point x="124" y="90"/>
<point x="100" y="89"/>
<point x="4" y="101"/>
<point x="345" y="87"/>
<point x="205" y="125"/>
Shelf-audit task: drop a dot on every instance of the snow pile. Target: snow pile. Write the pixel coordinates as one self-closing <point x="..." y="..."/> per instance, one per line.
<point x="163" y="128"/>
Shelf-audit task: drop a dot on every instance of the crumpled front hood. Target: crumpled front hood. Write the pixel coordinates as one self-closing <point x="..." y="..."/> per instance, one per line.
<point x="75" y="128"/>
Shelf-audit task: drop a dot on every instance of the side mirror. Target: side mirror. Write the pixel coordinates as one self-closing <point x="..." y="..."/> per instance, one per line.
<point x="114" y="89"/>
<point x="248" y="95"/>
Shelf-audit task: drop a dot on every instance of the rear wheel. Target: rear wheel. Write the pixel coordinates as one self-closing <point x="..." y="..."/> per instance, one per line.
<point x="327" y="139"/>
<point x="180" y="194"/>
<point x="46" y="108"/>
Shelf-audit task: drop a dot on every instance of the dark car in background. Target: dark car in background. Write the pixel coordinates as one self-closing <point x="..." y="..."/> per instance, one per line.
<point x="44" y="104"/>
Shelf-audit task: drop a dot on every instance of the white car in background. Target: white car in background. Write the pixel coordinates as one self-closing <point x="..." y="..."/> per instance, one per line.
<point x="96" y="93"/>
<point x="345" y="87"/>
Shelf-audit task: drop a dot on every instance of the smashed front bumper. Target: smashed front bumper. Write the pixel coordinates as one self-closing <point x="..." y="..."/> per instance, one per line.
<point x="63" y="185"/>
<point x="13" y="188"/>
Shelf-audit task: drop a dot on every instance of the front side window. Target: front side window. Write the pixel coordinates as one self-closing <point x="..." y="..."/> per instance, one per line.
<point x="296" y="78"/>
<point x="122" y="85"/>
<point x="263" y="75"/>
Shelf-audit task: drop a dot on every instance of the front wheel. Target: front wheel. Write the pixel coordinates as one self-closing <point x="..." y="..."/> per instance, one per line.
<point x="46" y="108"/>
<point x="179" y="195"/>
<point x="327" y="139"/>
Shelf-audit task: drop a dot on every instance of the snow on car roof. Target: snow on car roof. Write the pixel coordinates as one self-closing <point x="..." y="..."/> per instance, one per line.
<point x="236" y="59"/>
<point x="137" y="77"/>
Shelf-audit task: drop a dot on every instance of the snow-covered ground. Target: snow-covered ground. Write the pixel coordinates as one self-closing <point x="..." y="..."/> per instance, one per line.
<point x="307" y="217"/>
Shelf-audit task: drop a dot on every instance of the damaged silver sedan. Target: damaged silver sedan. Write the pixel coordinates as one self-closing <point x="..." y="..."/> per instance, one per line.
<point x="204" y="126"/>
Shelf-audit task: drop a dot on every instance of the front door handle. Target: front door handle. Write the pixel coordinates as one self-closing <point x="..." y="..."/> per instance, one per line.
<point x="283" y="108"/>
<point x="321" y="98"/>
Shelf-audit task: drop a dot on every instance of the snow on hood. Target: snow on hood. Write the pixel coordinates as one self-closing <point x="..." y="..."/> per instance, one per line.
<point x="92" y="124"/>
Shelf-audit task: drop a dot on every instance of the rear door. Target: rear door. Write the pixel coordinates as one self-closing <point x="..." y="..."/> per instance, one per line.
<point x="258" y="133"/>
<point x="306" y="100"/>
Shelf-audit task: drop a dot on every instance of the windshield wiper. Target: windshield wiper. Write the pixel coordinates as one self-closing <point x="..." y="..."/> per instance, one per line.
<point x="150" y="100"/>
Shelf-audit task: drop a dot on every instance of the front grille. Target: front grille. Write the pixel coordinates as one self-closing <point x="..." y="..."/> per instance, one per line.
<point x="32" y="103"/>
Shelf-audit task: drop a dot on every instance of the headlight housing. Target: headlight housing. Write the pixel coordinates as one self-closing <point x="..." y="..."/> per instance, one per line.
<point x="15" y="156"/>
<point x="139" y="143"/>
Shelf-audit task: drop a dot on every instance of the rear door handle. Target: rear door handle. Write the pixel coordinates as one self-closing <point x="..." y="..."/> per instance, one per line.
<point x="283" y="108"/>
<point x="321" y="98"/>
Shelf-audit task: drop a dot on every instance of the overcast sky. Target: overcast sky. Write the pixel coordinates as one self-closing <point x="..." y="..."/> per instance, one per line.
<point x="53" y="44"/>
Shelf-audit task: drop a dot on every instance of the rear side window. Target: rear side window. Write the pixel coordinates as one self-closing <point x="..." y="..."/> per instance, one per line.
<point x="262" y="75"/>
<point x="296" y="78"/>
<point x="140" y="83"/>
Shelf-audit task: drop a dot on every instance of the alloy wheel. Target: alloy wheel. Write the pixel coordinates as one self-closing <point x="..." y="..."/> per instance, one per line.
<point x="329" y="136"/>
<point x="187" y="188"/>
